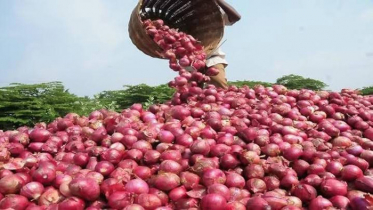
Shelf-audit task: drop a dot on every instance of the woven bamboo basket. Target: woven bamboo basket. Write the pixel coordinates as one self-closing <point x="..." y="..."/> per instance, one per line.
<point x="200" y="18"/>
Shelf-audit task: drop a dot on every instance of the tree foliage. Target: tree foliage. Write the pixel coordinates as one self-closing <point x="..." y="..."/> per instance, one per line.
<point x="367" y="90"/>
<point x="142" y="93"/>
<point x="298" y="82"/>
<point x="26" y="104"/>
<point x="250" y="83"/>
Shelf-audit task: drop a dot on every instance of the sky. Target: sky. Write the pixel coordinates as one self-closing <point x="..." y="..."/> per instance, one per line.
<point x="85" y="44"/>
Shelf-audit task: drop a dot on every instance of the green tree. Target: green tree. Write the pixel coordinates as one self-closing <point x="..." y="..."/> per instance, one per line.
<point x="250" y="83"/>
<point x="367" y="90"/>
<point x="142" y="93"/>
<point x="298" y="82"/>
<point x="27" y="104"/>
<point x="22" y="104"/>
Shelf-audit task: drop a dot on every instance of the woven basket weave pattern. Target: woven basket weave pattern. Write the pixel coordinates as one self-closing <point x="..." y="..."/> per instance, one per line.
<point x="200" y="18"/>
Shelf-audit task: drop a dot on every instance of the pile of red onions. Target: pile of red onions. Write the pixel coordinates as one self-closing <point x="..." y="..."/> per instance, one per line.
<point x="207" y="148"/>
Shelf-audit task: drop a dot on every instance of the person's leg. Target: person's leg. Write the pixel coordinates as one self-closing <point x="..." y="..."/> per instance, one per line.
<point x="220" y="80"/>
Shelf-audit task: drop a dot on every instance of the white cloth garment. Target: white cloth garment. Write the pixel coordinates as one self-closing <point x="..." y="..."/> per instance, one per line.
<point x="218" y="56"/>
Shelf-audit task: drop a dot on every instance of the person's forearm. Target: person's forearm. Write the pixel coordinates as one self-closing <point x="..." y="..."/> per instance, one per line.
<point x="232" y="14"/>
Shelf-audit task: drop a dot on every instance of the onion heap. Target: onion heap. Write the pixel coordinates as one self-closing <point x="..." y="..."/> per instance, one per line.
<point x="206" y="148"/>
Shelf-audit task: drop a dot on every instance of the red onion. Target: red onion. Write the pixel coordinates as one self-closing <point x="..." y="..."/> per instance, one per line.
<point x="178" y="193"/>
<point x="339" y="201"/>
<point x="213" y="201"/>
<point x="235" y="206"/>
<point x="334" y="167"/>
<point x="33" y="206"/>
<point x="170" y="166"/>
<point x="200" y="147"/>
<point x="148" y="201"/>
<point x="120" y="199"/>
<point x="137" y="186"/>
<point x="50" y="196"/>
<point x="275" y="202"/>
<point x="171" y="155"/>
<point x="72" y="203"/>
<point x="32" y="190"/>
<point x="81" y="159"/>
<point x="85" y="188"/>
<point x="39" y="135"/>
<point x="368" y="133"/>
<point x="11" y="184"/>
<point x="219" y="150"/>
<point x="166" y="181"/>
<point x="189" y="180"/>
<point x="5" y="172"/>
<point x="257" y="203"/>
<point x="364" y="183"/>
<point x="16" y="202"/>
<point x="342" y="142"/>
<point x="256" y="185"/>
<point x="213" y="176"/>
<point x="316" y="169"/>
<point x="160" y="194"/>
<point x="229" y="161"/>
<point x="301" y="167"/>
<point x="134" y="207"/>
<point x="333" y="187"/>
<point x="104" y="167"/>
<point x="319" y="203"/>
<point x="234" y="180"/>
<point x="128" y="140"/>
<point x="293" y="153"/>
<point x="271" y="182"/>
<point x="304" y="192"/>
<point x="254" y="171"/>
<point x="219" y="189"/>
<point x="65" y="190"/>
<point x="351" y="172"/>
<point x="111" y="185"/>
<point x="249" y="157"/>
<point x="289" y="181"/>
<point x="367" y="155"/>
<point x="142" y="172"/>
<point x="151" y="156"/>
